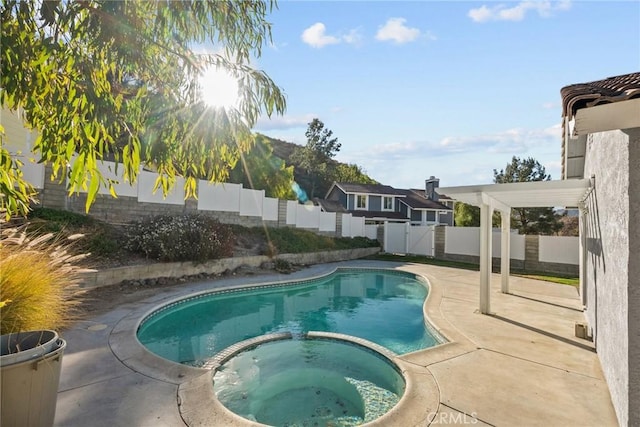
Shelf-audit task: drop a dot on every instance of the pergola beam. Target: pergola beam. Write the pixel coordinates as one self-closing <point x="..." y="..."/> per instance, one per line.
<point x="495" y="203"/>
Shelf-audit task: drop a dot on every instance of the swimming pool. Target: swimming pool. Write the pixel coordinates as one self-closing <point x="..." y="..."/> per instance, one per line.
<point x="381" y="306"/>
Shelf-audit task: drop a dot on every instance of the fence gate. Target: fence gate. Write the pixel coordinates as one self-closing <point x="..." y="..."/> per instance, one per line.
<point x="402" y="238"/>
<point x="421" y="240"/>
<point x="395" y="237"/>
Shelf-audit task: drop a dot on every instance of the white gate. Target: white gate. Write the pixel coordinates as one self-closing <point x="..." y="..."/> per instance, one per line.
<point x="402" y="238"/>
<point x="395" y="237"/>
<point x="421" y="240"/>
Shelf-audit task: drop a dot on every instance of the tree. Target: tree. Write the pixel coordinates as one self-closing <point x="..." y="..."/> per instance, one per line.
<point x="466" y="215"/>
<point x="118" y="80"/>
<point x="260" y="169"/>
<point x="350" y="173"/>
<point x="528" y="220"/>
<point x="314" y="158"/>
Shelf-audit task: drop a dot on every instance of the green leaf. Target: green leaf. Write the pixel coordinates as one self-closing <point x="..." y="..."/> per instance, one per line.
<point x="128" y="91"/>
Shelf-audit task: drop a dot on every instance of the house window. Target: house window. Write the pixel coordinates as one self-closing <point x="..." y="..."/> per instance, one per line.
<point x="387" y="203"/>
<point x="431" y="216"/>
<point x="361" y="201"/>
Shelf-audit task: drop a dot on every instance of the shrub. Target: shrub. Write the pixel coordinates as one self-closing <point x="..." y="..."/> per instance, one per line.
<point x="102" y="243"/>
<point x="292" y="240"/>
<point x="37" y="280"/>
<point x="356" y="242"/>
<point x="282" y="266"/>
<point x="191" y="237"/>
<point x="60" y="218"/>
<point x="102" y="239"/>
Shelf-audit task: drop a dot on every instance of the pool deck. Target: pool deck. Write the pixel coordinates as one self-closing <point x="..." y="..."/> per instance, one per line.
<point x="519" y="366"/>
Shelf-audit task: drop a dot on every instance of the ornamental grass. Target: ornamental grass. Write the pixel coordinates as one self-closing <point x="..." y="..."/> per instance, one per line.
<point x="38" y="276"/>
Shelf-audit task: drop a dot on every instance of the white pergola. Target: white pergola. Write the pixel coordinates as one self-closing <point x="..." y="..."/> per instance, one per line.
<point x="503" y="197"/>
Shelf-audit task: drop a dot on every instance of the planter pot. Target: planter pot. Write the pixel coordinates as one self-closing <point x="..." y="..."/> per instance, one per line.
<point x="21" y="346"/>
<point x="30" y="365"/>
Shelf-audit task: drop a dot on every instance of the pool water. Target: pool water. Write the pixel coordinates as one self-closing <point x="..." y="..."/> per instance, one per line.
<point x="309" y="382"/>
<point x="381" y="306"/>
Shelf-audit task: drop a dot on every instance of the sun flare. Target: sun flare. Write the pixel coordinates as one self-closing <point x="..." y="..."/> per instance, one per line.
<point x="218" y="88"/>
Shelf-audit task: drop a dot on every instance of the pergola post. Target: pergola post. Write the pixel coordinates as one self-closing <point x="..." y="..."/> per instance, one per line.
<point x="505" y="250"/>
<point x="485" y="258"/>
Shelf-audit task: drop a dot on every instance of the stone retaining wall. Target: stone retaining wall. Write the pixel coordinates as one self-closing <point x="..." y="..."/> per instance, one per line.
<point x="113" y="276"/>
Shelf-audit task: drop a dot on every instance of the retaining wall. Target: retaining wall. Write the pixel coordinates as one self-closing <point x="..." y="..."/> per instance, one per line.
<point x="113" y="276"/>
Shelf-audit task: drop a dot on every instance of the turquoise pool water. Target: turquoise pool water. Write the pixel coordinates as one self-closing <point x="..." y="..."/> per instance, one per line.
<point x="382" y="306"/>
<point x="309" y="382"/>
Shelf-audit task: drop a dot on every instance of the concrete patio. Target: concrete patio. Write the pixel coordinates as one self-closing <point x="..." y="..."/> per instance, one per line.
<point x="521" y="365"/>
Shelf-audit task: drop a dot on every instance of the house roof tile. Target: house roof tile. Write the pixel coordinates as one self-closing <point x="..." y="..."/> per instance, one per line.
<point x="367" y="188"/>
<point x="422" y="192"/>
<point x="612" y="89"/>
<point x="330" y="205"/>
<point x="585" y="95"/>
<point x="417" y="201"/>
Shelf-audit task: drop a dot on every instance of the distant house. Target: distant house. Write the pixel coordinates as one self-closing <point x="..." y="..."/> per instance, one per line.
<point x="379" y="203"/>
<point x="601" y="142"/>
<point x="425" y="207"/>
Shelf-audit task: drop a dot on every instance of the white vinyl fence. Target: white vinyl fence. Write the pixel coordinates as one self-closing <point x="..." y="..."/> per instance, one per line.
<point x="371" y="231"/>
<point x="420" y="240"/>
<point x="559" y="249"/>
<point x="352" y="226"/>
<point x="466" y="241"/>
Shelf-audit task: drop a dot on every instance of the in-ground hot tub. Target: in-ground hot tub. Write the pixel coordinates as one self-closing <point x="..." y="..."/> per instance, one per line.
<point x="314" y="381"/>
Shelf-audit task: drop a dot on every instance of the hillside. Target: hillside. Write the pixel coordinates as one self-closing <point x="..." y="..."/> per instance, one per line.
<point x="337" y="171"/>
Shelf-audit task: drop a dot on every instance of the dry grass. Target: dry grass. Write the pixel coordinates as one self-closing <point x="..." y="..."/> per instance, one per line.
<point x="38" y="276"/>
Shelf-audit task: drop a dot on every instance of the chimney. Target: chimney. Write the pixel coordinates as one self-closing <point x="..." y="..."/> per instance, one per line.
<point x="430" y="186"/>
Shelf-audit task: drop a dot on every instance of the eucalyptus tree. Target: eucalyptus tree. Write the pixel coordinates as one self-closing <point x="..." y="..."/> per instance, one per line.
<point x="119" y="80"/>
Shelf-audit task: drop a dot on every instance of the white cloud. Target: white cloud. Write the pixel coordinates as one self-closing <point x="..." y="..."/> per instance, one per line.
<point x="315" y="36"/>
<point x="395" y="149"/>
<point x="474" y="157"/>
<point x="276" y="47"/>
<point x="518" y="12"/>
<point x="395" y="30"/>
<point x="283" y="122"/>
<point x="481" y="14"/>
<point x="515" y="141"/>
<point x="354" y="37"/>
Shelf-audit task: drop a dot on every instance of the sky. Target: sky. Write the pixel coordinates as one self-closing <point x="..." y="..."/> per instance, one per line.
<point x="444" y="88"/>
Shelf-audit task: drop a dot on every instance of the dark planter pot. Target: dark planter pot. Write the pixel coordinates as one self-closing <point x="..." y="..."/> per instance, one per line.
<point x="30" y="365"/>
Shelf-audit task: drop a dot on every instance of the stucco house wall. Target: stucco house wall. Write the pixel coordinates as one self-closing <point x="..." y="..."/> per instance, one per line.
<point x="634" y="277"/>
<point x="606" y="226"/>
<point x="601" y="141"/>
